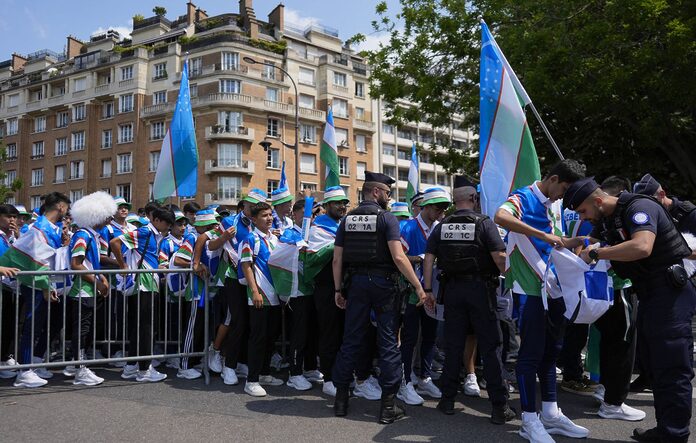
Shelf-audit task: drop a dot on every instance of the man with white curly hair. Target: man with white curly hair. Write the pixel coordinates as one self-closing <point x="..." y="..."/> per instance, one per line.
<point x="90" y="213"/>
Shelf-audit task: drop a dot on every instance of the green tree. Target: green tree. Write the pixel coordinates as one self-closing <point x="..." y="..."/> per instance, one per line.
<point x="6" y="190"/>
<point x="613" y="80"/>
<point x="159" y="10"/>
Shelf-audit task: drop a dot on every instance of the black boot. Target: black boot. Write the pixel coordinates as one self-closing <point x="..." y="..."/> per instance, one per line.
<point x="502" y="414"/>
<point x="341" y="402"/>
<point x="389" y="412"/>
<point x="446" y="405"/>
<point x="649" y="435"/>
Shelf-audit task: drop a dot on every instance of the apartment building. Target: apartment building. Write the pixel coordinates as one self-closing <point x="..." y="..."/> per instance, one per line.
<point x="94" y="117"/>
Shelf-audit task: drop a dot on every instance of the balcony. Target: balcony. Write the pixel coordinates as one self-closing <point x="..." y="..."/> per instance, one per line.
<point x="225" y="98"/>
<point x="239" y="166"/>
<point x="162" y="108"/>
<point x="102" y="89"/>
<point x="331" y="88"/>
<point x="229" y="198"/>
<point x="363" y="124"/>
<point x="313" y="114"/>
<point x="219" y="132"/>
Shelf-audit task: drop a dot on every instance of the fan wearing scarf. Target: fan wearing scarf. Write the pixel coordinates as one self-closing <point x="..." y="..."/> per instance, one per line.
<point x="91" y="213"/>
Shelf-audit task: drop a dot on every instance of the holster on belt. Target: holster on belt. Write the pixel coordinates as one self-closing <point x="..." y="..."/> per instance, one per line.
<point x="442" y="278"/>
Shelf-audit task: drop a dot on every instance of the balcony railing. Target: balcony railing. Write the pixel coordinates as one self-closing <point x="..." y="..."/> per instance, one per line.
<point x="229" y="197"/>
<point x="363" y="124"/>
<point x="220" y="132"/>
<point x="240" y="166"/>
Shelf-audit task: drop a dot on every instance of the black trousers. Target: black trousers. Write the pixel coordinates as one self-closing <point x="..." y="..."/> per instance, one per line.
<point x="192" y="324"/>
<point x="7" y="304"/>
<point x="300" y="309"/>
<point x="140" y="324"/>
<point x="236" y="342"/>
<point x="617" y="347"/>
<point x="264" y="327"/>
<point x="330" y="325"/>
<point x="82" y="323"/>
<point x="570" y="359"/>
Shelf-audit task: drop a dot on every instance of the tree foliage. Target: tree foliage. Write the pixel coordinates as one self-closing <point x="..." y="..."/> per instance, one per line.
<point x="613" y="79"/>
<point x="6" y="190"/>
<point x="159" y="11"/>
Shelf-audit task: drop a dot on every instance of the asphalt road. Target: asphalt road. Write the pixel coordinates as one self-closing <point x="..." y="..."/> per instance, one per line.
<point x="182" y="410"/>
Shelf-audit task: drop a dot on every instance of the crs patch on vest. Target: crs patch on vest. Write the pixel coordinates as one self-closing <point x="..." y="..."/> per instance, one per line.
<point x="361" y="223"/>
<point x="640" y="218"/>
<point x="458" y="231"/>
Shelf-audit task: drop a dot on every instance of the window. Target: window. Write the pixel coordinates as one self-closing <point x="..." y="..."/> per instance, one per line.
<point x="269" y="70"/>
<point x="388" y="149"/>
<point x="59" y="174"/>
<point x="106" y="139"/>
<point x="273" y="158"/>
<point x="230" y="121"/>
<point x="230" y="61"/>
<point x="159" y="97"/>
<point x="195" y="67"/>
<point x="157" y="131"/>
<point x="36" y="201"/>
<point x="309" y="186"/>
<point x="343" y="166"/>
<point x="389" y="170"/>
<point x="306" y="101"/>
<point x="37" y="177"/>
<point x="388" y="129"/>
<point x="78" y="141"/>
<point x="306" y="76"/>
<point x="11" y="151"/>
<point x="124" y="163"/>
<point x="106" y="168"/>
<point x="360" y="170"/>
<point x="229" y="188"/>
<point x="308" y="163"/>
<point x="107" y="110"/>
<point x="160" y="70"/>
<point x="80" y="84"/>
<point x="154" y="161"/>
<point x="272" y="94"/>
<point x="271" y="186"/>
<point x="442" y="180"/>
<point x="229" y="155"/>
<point x="127" y="72"/>
<point x="404" y="155"/>
<point x="424" y="157"/>
<point x="272" y="128"/>
<point x="77" y="169"/>
<point x="61" y="146"/>
<point x="403" y="175"/>
<point x="40" y="124"/>
<point x="125" y="133"/>
<point x="340" y="79"/>
<point x="125" y="103"/>
<point x="12" y="100"/>
<point x="360" y="143"/>
<point x="79" y="112"/>
<point x="341" y="137"/>
<point x="427" y="177"/>
<point x="193" y="89"/>
<point x="62" y="119"/>
<point x="340" y="108"/>
<point x="230" y="86"/>
<point x="124" y="190"/>
<point x="12" y="126"/>
<point x="308" y="133"/>
<point x="360" y="113"/>
<point x="359" y="89"/>
<point x="10" y="177"/>
<point x="75" y="195"/>
<point x="37" y="150"/>
<point x="35" y="96"/>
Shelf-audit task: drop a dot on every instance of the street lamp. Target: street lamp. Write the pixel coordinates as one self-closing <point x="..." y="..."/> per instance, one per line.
<point x="265" y="144"/>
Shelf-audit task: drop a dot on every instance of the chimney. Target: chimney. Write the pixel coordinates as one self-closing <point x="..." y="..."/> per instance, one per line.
<point x="201" y="14"/>
<point x="190" y="13"/>
<point x="246" y="10"/>
<point x="18" y="62"/>
<point x="74" y="46"/>
<point x="277" y="18"/>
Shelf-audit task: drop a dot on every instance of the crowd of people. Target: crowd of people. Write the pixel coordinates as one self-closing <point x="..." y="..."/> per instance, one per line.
<point x="430" y="288"/>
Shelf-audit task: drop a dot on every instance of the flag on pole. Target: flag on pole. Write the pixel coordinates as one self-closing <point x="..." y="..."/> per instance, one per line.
<point x="177" y="170"/>
<point x="329" y="153"/>
<point x="413" y="176"/>
<point x="507" y="157"/>
<point x="283" y="180"/>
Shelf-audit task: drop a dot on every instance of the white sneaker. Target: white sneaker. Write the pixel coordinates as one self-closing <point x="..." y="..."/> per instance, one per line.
<point x="314" y="376"/>
<point x="8" y="373"/>
<point x="242" y="370"/>
<point x="277" y="362"/>
<point x="299" y="382"/>
<point x="375" y="383"/>
<point x="214" y="360"/>
<point x="367" y="390"/>
<point x="155" y="363"/>
<point x="471" y="387"/>
<point x="623" y="412"/>
<point x="118" y="364"/>
<point x="427" y="387"/>
<point x="35" y="359"/>
<point x="599" y="393"/>
<point x="70" y="371"/>
<point x="329" y="388"/>
<point x="188" y="374"/>
<point x="150" y="375"/>
<point x="28" y="379"/>
<point x="229" y="377"/>
<point x="562" y="425"/>
<point x="130" y="372"/>
<point x="43" y="373"/>
<point x="173" y="363"/>
<point x="97" y="354"/>
<point x="86" y="377"/>
<point x="269" y="380"/>
<point x="533" y="430"/>
<point x="408" y="395"/>
<point x="254" y="389"/>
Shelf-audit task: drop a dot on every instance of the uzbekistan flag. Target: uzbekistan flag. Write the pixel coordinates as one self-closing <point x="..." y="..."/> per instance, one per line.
<point x="507" y="159"/>
<point x="413" y="176"/>
<point x="31" y="252"/>
<point x="329" y="153"/>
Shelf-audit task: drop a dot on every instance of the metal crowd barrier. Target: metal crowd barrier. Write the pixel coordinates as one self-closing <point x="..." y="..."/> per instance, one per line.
<point x="162" y="329"/>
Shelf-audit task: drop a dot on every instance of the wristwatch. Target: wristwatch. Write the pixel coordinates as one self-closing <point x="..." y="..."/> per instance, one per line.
<point x="594" y="254"/>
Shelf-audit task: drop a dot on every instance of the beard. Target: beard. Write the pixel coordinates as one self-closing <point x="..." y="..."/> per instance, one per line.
<point x="383" y="202"/>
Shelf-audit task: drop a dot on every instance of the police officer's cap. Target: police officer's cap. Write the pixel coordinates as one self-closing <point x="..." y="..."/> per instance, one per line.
<point x="462" y="181"/>
<point x="578" y="192"/>
<point x="646" y="186"/>
<point x="379" y="178"/>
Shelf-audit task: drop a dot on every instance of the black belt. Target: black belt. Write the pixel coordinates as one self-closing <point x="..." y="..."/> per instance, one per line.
<point x="378" y="272"/>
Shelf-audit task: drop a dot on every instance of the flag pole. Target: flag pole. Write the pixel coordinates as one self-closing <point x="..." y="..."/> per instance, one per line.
<point x="546" y="130"/>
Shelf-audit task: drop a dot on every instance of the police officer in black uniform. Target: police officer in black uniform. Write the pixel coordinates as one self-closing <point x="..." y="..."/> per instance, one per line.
<point x="639" y="237"/>
<point x="683" y="212"/>
<point x="470" y="256"/>
<point x="368" y="258"/>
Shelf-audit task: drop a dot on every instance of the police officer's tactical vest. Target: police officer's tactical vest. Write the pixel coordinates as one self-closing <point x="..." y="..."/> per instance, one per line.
<point x="680" y="211"/>
<point x="669" y="247"/>
<point x="365" y="246"/>
<point x="460" y="249"/>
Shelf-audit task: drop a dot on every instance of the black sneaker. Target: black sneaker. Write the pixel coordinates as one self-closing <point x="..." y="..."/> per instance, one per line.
<point x="446" y="405"/>
<point x="502" y="414"/>
<point x="640" y="384"/>
<point x="649" y="435"/>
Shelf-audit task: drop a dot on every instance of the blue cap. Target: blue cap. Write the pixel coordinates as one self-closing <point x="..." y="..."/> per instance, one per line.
<point x="647" y="185"/>
<point x="578" y="192"/>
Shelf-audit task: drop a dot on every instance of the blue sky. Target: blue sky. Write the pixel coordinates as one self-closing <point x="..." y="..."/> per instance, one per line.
<point x="30" y="25"/>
